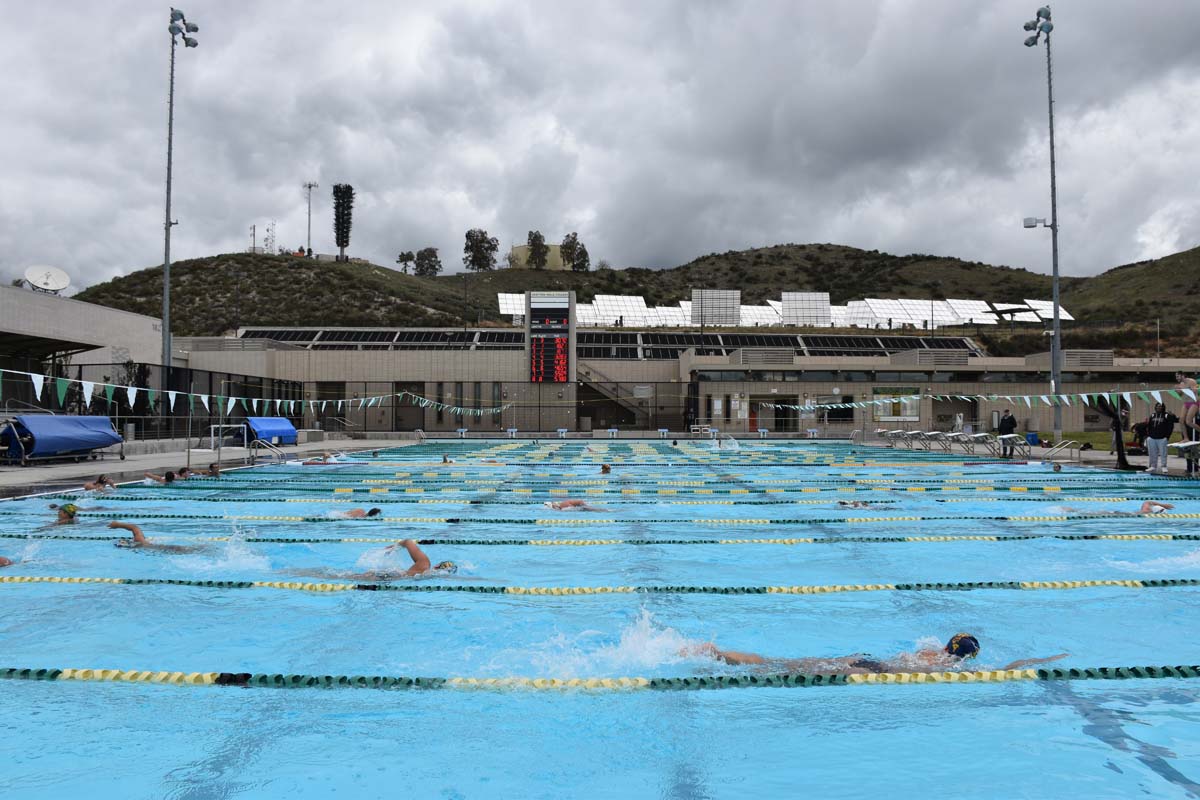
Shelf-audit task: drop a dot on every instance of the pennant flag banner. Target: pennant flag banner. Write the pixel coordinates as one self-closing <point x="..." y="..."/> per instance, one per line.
<point x="37" y="385"/>
<point x="108" y="393"/>
<point x="171" y="400"/>
<point x="88" y="389"/>
<point x="60" y="389"/>
<point x="131" y="394"/>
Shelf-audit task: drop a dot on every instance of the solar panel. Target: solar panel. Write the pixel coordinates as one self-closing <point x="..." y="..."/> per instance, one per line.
<point x="511" y="304"/>
<point x="716" y="307"/>
<point x="754" y="316"/>
<point x="1045" y="309"/>
<point x="586" y="316"/>
<point x="805" y="308"/>
<point x="620" y="308"/>
<point x="976" y="311"/>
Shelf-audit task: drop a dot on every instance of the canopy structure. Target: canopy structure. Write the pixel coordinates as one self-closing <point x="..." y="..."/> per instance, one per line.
<point x="50" y="436"/>
<point x="272" y="428"/>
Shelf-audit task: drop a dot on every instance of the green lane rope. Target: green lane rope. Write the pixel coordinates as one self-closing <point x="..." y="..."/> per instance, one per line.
<point x="693" y="683"/>
<point x="1124" y="537"/>
<point x="418" y="586"/>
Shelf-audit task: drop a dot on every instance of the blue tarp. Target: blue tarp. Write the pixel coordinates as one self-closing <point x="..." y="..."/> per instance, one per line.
<point x="269" y="428"/>
<point x="56" y="435"/>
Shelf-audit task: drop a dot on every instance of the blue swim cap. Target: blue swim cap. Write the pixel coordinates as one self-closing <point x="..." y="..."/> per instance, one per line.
<point x="963" y="645"/>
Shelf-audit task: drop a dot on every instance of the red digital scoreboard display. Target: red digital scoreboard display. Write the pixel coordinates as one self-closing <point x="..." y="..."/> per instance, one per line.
<point x="549" y="339"/>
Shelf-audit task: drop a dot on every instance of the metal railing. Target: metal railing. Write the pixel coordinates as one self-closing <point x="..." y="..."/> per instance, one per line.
<point x="263" y="444"/>
<point x="1068" y="446"/>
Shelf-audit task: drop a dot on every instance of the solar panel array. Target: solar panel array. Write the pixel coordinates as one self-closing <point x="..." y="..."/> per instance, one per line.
<point x="717" y="307"/>
<point x="796" y="309"/>
<point x="806" y="309"/>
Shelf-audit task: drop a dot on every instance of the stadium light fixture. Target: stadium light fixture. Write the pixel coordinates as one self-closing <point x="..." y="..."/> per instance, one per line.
<point x="1042" y="26"/>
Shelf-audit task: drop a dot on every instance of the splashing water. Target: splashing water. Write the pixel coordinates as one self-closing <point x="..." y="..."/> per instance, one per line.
<point x="232" y="556"/>
<point x="1189" y="560"/>
<point x="642" y="644"/>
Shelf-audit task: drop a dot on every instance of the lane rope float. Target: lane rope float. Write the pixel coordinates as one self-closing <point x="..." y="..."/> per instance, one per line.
<point x="568" y="591"/>
<point x="692" y="683"/>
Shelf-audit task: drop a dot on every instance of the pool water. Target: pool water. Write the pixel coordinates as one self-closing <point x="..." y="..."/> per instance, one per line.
<point x="763" y="515"/>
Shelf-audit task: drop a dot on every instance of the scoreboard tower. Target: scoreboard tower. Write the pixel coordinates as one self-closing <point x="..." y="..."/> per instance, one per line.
<point x="550" y="337"/>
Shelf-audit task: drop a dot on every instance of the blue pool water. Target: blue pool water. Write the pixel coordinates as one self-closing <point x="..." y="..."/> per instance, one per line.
<point x="1096" y="739"/>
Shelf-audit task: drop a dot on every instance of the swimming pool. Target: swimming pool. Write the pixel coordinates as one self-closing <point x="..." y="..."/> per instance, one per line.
<point x="702" y="534"/>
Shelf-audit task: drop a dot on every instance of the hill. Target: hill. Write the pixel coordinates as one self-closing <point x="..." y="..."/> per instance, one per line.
<point x="215" y="294"/>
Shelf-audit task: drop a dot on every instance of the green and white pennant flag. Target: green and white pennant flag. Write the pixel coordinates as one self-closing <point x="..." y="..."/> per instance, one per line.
<point x="1157" y="396"/>
<point x="60" y="389"/>
<point x="171" y="400"/>
<point x="230" y="402"/>
<point x="108" y="393"/>
<point x="37" y="380"/>
<point x="204" y="401"/>
<point x="254" y="403"/>
<point x="88" y="388"/>
<point x="131" y="395"/>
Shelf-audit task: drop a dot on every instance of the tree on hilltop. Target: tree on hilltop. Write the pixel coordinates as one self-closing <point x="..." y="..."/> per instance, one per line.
<point x="581" y="262"/>
<point x="479" y="252"/>
<point x="405" y="258"/>
<point x="538" y="250"/>
<point x="427" y="263"/>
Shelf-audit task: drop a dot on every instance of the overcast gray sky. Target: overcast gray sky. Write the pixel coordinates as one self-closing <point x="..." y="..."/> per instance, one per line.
<point x="659" y="130"/>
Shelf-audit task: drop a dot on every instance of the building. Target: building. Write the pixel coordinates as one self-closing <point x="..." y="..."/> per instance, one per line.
<point x="519" y="257"/>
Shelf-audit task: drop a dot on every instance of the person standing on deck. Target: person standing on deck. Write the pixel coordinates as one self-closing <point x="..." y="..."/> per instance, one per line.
<point x="1160" y="425"/>
<point x="1008" y="425"/>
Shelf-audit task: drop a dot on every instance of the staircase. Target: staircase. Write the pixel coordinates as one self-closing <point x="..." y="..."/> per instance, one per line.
<point x="611" y="389"/>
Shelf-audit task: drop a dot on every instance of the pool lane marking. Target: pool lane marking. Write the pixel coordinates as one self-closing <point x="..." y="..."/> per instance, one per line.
<point x="690" y="683"/>
<point x="566" y="591"/>
<point x="1161" y="537"/>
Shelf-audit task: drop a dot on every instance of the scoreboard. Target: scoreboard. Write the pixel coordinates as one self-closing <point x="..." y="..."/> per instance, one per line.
<point x="549" y="337"/>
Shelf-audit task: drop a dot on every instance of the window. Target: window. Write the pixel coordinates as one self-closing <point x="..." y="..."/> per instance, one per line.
<point x="458" y="401"/>
<point x="708" y="408"/>
<point x="440" y="397"/>
<point x="496" y="403"/>
<point x="898" y="405"/>
<point x="728" y="410"/>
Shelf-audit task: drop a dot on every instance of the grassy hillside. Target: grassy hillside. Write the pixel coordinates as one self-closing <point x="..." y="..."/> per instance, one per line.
<point x="212" y="295"/>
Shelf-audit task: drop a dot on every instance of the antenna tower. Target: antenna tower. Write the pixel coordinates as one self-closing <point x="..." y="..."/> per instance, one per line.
<point x="269" y="239"/>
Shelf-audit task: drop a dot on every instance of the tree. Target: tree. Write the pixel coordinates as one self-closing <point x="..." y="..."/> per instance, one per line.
<point x="343" y="213"/>
<point x="511" y="260"/>
<point x="603" y="264"/>
<point x="428" y="264"/>
<point x="581" y="262"/>
<point x="568" y="248"/>
<point x="479" y="252"/>
<point x="537" y="250"/>
<point x="405" y="258"/>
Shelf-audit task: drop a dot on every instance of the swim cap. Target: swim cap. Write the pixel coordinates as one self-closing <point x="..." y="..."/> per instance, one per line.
<point x="69" y="509"/>
<point x="963" y="645"/>
<point x="447" y="566"/>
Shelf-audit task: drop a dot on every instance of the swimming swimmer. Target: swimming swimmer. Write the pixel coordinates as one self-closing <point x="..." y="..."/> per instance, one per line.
<point x="962" y="646"/>
<point x="447" y="459"/>
<point x="357" y="513"/>
<point x="183" y="473"/>
<point x="420" y="566"/>
<point x="323" y="459"/>
<point x="605" y="469"/>
<point x="101" y="484"/>
<point x="214" y="470"/>
<point x="5" y="562"/>
<point x="1149" y="508"/>
<point x="570" y="505"/>
<point x="66" y="514"/>
<point x="167" y="477"/>
<point x="138" y="540"/>
<point x="862" y="503"/>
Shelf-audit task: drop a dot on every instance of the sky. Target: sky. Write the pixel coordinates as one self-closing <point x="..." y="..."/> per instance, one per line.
<point x="659" y="130"/>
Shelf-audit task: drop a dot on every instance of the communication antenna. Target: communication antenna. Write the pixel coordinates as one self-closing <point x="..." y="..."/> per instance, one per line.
<point x="50" y="280"/>
<point x="269" y="239"/>
<point x="253" y="238"/>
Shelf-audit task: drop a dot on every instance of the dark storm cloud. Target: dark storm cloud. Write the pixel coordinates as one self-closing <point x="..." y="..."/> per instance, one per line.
<point x="660" y="131"/>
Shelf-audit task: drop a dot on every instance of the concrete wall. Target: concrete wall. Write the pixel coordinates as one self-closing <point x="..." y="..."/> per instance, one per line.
<point x="121" y="334"/>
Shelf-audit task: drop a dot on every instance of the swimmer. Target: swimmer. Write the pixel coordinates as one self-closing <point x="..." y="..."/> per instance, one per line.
<point x="570" y="505"/>
<point x="1149" y="508"/>
<point x="962" y="646"/>
<point x="674" y="443"/>
<point x="605" y="469"/>
<point x="862" y="503"/>
<point x="138" y="540"/>
<point x="1058" y="467"/>
<point x="5" y="562"/>
<point x="66" y="514"/>
<point x="447" y="459"/>
<point x="183" y="473"/>
<point x="325" y="458"/>
<point x="213" y="471"/>
<point x="374" y="454"/>
<point x="102" y="483"/>
<point x="1189" y="406"/>
<point x="357" y="513"/>
<point x="166" y="478"/>
<point x="420" y="566"/>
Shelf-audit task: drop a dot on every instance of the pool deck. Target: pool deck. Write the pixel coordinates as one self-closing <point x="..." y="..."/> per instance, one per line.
<point x="48" y="477"/>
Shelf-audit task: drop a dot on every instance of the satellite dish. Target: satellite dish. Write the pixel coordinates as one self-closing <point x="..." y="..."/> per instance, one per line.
<point x="47" y="279"/>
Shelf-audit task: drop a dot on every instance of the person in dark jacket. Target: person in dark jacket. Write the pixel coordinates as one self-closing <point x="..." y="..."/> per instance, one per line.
<point x="1159" y="427"/>
<point x="1008" y="424"/>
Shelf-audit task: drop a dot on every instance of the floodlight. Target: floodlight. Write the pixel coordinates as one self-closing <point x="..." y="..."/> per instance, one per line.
<point x="191" y="27"/>
<point x="190" y="42"/>
<point x="1031" y="222"/>
<point x="1031" y="25"/>
<point x="176" y="15"/>
<point x="175" y="29"/>
<point x="1044" y="12"/>
<point x="1031" y="41"/>
<point x="1046" y="27"/>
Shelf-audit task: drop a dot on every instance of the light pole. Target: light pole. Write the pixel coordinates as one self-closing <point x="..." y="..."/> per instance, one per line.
<point x="179" y="27"/>
<point x="310" y="185"/>
<point x="1043" y="25"/>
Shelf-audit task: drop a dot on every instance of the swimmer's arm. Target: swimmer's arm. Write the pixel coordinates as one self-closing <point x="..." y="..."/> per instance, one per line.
<point x="421" y="563"/>
<point x="1029" y="662"/>
<point x="134" y="530"/>
<point x="735" y="658"/>
<point x="155" y="478"/>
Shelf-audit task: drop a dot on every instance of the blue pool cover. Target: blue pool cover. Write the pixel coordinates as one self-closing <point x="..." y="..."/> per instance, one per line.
<point x="269" y="428"/>
<point x="55" y="435"/>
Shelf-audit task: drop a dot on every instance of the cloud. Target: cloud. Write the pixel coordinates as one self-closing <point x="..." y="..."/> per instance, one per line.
<point x="659" y="131"/>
